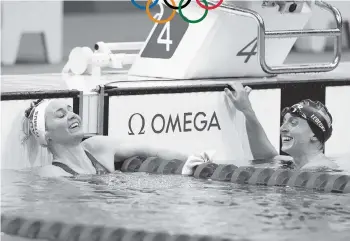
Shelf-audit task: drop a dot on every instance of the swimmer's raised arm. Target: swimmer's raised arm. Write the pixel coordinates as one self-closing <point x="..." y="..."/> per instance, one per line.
<point x="260" y="145"/>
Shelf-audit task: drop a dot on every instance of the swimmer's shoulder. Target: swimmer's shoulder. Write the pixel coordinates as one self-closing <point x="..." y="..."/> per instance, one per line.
<point x="52" y="171"/>
<point x="98" y="144"/>
<point x="272" y="162"/>
<point x="343" y="161"/>
<point x="323" y="165"/>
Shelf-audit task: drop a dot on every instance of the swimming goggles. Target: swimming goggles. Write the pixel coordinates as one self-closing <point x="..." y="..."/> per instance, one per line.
<point x="315" y="112"/>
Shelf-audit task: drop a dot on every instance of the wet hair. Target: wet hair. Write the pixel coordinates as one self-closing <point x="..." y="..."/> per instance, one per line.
<point x="25" y="149"/>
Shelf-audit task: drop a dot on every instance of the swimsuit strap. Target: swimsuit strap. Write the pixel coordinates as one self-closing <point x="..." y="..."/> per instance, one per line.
<point x="100" y="169"/>
<point x="65" y="168"/>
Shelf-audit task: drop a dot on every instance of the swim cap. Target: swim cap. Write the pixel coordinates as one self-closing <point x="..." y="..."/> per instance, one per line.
<point x="317" y="116"/>
<point x="37" y="122"/>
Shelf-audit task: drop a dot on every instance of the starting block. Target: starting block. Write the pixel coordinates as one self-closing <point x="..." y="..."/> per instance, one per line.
<point x="239" y="39"/>
<point x="83" y="60"/>
<point x="236" y="39"/>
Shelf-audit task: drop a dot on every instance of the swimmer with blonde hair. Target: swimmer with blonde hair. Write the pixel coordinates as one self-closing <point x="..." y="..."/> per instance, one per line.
<point x="56" y="127"/>
<point x="306" y="127"/>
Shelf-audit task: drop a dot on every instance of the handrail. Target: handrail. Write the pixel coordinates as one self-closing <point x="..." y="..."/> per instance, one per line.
<point x="295" y="68"/>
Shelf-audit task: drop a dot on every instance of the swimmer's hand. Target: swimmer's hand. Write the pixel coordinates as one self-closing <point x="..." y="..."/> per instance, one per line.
<point x="196" y="160"/>
<point x="240" y="96"/>
<point x="285" y="162"/>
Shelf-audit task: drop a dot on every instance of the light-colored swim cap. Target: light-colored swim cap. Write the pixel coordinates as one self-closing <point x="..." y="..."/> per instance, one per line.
<point x="37" y="123"/>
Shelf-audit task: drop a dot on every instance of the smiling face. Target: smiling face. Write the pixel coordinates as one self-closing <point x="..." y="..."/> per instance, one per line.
<point x="296" y="135"/>
<point x="63" y="126"/>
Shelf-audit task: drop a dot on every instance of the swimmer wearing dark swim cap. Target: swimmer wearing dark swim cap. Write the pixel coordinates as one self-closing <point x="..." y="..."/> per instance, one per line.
<point x="306" y="127"/>
<point x="317" y="116"/>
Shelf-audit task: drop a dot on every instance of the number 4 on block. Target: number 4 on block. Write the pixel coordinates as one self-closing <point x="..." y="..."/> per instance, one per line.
<point x="165" y="38"/>
<point x="167" y="41"/>
<point x="243" y="52"/>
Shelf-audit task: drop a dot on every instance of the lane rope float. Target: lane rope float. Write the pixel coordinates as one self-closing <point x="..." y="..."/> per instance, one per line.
<point x="320" y="181"/>
<point x="51" y="230"/>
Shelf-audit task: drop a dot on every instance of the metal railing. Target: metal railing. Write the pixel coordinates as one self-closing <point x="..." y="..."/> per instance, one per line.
<point x="295" y="68"/>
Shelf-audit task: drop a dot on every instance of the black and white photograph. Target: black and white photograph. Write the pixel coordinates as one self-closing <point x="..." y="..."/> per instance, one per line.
<point x="175" y="120"/>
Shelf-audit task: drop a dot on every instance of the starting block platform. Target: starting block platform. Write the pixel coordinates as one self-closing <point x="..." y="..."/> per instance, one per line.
<point x="236" y="39"/>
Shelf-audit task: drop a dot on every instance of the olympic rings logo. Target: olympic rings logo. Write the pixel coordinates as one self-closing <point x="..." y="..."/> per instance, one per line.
<point x="175" y="8"/>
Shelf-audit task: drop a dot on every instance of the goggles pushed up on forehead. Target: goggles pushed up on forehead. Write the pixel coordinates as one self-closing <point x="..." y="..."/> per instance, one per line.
<point x="312" y="112"/>
<point x="36" y="120"/>
<point x="28" y="112"/>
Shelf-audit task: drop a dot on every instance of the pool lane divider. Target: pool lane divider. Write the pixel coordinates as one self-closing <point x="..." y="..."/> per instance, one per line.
<point x="57" y="231"/>
<point x="316" y="181"/>
<point x="50" y="230"/>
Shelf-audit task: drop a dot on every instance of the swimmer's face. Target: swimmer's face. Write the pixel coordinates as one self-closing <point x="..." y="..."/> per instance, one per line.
<point x="296" y="135"/>
<point x="63" y="126"/>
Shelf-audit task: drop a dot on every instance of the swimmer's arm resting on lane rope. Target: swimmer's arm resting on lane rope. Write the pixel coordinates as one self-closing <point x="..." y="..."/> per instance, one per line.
<point x="128" y="149"/>
<point x="123" y="150"/>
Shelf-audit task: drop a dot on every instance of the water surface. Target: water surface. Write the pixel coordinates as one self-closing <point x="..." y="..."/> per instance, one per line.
<point x="178" y="204"/>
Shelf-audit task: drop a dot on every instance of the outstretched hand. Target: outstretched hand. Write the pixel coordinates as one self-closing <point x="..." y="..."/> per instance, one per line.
<point x="196" y="160"/>
<point x="240" y="96"/>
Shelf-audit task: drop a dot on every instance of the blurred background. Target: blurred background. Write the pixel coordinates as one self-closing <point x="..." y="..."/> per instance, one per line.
<point x="69" y="24"/>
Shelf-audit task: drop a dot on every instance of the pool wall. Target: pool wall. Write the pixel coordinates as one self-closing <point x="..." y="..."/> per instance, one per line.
<point x="13" y="105"/>
<point x="151" y="118"/>
<point x="201" y="105"/>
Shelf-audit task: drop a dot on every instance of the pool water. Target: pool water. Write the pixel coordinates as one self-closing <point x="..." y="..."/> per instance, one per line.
<point x="179" y="205"/>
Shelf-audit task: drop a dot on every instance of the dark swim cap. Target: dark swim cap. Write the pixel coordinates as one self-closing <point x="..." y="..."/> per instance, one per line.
<point x="317" y="116"/>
